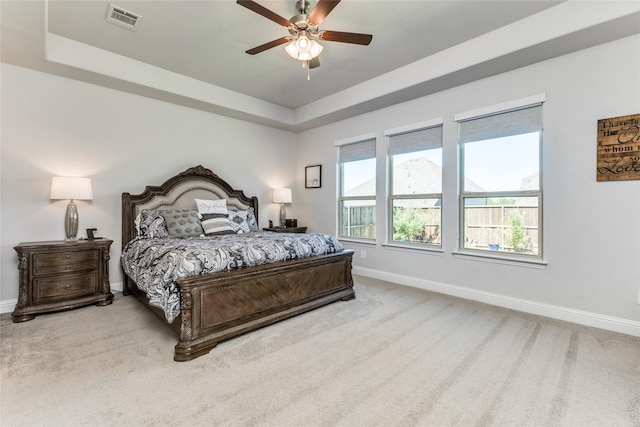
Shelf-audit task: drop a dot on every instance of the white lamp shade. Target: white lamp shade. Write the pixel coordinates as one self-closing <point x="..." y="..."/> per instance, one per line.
<point x="66" y="187"/>
<point x="292" y="50"/>
<point x="282" y="195"/>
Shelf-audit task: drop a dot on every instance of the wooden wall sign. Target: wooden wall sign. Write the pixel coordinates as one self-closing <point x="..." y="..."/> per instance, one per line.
<point x="619" y="148"/>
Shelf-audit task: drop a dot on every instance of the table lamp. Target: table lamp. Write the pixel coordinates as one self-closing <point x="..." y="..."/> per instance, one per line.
<point x="282" y="196"/>
<point x="66" y="187"/>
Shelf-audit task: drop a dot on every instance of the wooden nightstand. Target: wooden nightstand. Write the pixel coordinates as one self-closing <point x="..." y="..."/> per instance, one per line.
<point x="61" y="275"/>
<point x="287" y="229"/>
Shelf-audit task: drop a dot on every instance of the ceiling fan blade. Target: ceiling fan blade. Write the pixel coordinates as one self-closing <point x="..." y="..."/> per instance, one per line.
<point x="314" y="63"/>
<point x="263" y="47"/>
<point x="321" y="10"/>
<point x="261" y="10"/>
<point x="339" y="36"/>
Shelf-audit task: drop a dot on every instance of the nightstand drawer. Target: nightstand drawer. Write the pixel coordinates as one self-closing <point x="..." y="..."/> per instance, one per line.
<point x="65" y="286"/>
<point x="48" y="263"/>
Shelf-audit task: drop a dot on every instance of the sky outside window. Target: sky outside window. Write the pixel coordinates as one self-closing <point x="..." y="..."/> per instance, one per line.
<point x="501" y="164"/>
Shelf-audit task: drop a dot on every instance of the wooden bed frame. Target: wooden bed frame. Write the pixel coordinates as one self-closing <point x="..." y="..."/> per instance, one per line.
<point x="218" y="306"/>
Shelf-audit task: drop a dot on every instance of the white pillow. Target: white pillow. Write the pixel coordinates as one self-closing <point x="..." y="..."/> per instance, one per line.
<point x="212" y="206"/>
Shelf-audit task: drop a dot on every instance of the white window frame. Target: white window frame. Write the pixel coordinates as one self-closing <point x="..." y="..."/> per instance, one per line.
<point x="362" y="139"/>
<point x="496" y="110"/>
<point x="429" y="126"/>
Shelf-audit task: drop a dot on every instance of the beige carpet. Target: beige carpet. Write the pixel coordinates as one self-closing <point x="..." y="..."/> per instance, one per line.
<point x="395" y="356"/>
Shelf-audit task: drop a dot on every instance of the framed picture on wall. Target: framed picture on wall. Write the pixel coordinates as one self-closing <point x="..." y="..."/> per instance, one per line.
<point x="313" y="176"/>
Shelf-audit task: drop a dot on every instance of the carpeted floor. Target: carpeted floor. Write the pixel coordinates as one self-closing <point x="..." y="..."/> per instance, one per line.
<point x="395" y="356"/>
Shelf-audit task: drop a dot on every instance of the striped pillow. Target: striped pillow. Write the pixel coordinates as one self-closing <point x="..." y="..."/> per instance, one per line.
<point x="215" y="224"/>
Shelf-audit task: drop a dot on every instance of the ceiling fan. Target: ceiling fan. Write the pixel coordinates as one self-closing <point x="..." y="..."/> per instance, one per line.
<point x="303" y="31"/>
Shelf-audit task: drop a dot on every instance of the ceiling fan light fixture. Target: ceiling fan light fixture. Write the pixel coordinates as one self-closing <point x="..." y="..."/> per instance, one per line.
<point x="305" y="50"/>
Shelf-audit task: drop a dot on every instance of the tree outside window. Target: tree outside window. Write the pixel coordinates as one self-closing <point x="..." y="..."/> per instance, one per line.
<point x="415" y="158"/>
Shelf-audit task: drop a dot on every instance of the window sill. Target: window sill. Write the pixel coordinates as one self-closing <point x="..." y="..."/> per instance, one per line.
<point x="396" y="246"/>
<point x="507" y="260"/>
<point x="361" y="242"/>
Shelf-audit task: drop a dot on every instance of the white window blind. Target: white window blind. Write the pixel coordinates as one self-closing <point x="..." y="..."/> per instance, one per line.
<point x="362" y="150"/>
<point x="516" y="122"/>
<point x="418" y="140"/>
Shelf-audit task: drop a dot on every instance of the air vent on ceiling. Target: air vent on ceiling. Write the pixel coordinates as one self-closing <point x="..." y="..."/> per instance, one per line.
<point x="124" y="18"/>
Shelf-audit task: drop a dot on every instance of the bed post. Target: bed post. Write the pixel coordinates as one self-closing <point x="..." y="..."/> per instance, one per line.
<point x="127" y="235"/>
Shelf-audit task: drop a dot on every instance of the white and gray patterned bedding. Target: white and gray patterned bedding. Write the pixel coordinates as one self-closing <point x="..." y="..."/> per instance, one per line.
<point x="156" y="264"/>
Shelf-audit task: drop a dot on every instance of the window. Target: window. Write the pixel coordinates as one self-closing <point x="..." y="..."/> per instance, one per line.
<point x="415" y="186"/>
<point x="501" y="196"/>
<point x="357" y="201"/>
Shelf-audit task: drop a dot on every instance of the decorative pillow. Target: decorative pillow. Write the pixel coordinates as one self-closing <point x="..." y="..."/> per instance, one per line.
<point x="150" y="224"/>
<point x="238" y="221"/>
<point x="251" y="219"/>
<point x="243" y="221"/>
<point x="216" y="224"/>
<point x="212" y="206"/>
<point x="181" y="223"/>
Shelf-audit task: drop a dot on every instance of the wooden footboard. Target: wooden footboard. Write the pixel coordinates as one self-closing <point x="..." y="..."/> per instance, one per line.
<point x="217" y="307"/>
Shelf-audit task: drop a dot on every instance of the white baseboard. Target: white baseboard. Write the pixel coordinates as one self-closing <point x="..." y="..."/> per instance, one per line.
<point x="586" y="318"/>
<point x="7" y="306"/>
<point x="117" y="286"/>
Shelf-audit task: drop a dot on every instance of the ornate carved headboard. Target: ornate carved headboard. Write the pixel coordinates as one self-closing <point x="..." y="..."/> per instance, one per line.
<point x="180" y="192"/>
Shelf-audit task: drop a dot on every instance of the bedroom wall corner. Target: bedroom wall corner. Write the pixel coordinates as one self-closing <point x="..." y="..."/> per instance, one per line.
<point x="123" y="142"/>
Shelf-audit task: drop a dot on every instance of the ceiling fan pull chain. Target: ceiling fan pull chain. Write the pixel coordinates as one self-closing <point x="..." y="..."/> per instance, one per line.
<point x="308" y="69"/>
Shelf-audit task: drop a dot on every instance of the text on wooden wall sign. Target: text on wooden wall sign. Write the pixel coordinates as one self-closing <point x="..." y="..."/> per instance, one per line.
<point x="619" y="148"/>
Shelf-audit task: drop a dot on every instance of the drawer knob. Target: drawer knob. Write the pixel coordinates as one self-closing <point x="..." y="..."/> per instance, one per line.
<point x="67" y="267"/>
<point x="67" y="286"/>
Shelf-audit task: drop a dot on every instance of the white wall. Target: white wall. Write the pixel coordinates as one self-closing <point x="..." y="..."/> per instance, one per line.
<point x="591" y="229"/>
<point x="56" y="126"/>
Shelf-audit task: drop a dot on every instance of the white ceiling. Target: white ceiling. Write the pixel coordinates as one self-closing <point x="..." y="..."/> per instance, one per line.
<point x="192" y="52"/>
